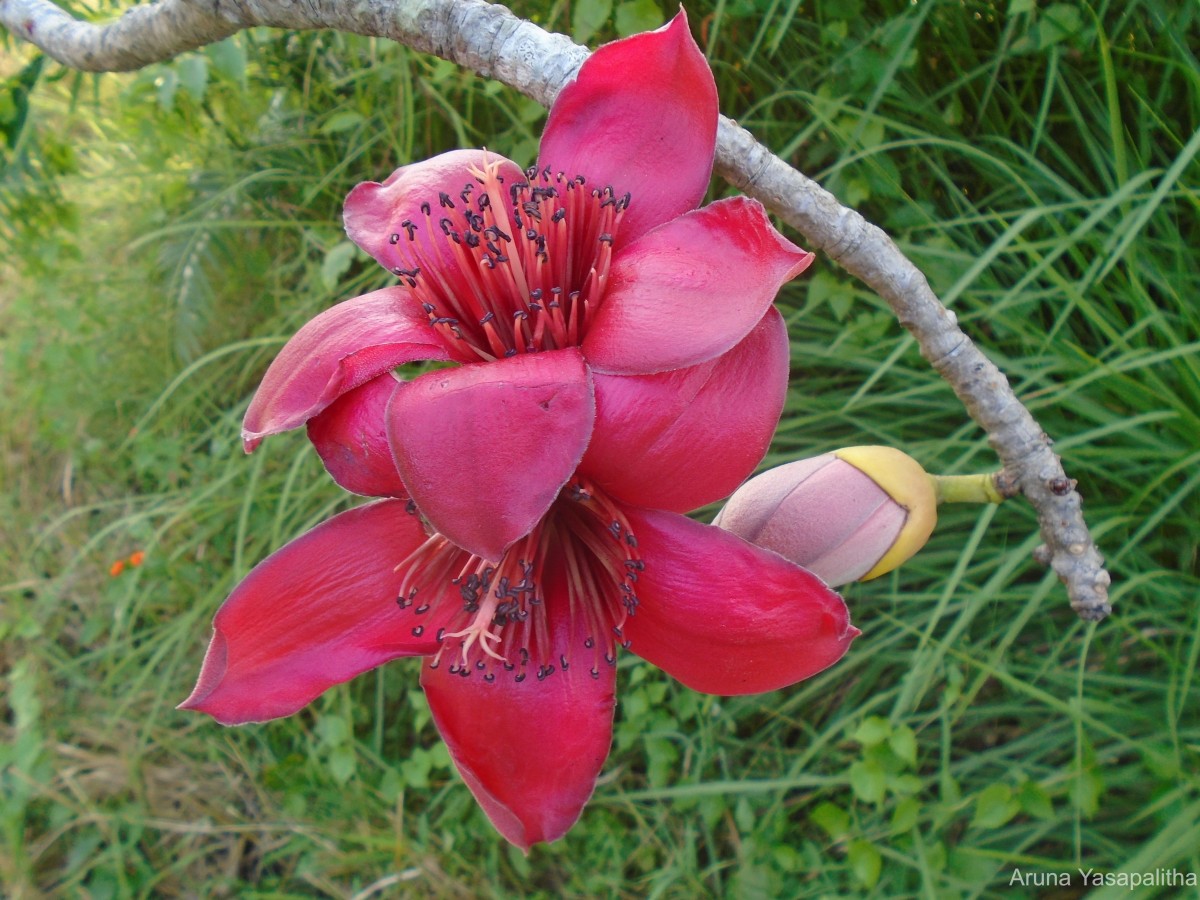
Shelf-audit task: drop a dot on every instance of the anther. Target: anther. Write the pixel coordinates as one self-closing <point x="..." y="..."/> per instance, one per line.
<point x="425" y="208"/>
<point x="394" y="239"/>
<point x="444" y="199"/>
<point x="409" y="227"/>
<point x="418" y="631"/>
<point x="559" y="215"/>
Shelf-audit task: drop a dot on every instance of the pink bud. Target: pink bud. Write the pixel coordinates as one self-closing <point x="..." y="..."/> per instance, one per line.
<point x="828" y="515"/>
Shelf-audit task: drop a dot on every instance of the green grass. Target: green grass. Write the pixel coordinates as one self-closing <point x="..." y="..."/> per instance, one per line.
<point x="164" y="233"/>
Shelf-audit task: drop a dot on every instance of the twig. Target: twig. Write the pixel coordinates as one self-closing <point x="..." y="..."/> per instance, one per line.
<point x="493" y="42"/>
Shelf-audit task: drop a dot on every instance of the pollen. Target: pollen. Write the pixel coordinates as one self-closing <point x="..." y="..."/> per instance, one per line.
<point x="512" y="268"/>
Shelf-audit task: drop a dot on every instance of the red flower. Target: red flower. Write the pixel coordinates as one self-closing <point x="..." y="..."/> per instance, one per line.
<point x="621" y="363"/>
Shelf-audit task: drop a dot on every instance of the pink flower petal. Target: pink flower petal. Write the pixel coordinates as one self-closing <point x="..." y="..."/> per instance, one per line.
<point x="375" y="213"/>
<point x="315" y="613"/>
<point x="689" y="290"/>
<point x="351" y="438"/>
<point x="343" y="347"/>
<point x="725" y="617"/>
<point x="530" y="751"/>
<point x="677" y="440"/>
<point x="642" y="117"/>
<point x="485" y="448"/>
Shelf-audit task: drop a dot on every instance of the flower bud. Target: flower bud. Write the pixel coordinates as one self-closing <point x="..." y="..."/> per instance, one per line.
<point x="849" y="515"/>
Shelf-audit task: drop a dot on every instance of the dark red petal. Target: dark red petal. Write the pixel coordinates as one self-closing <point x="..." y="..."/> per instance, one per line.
<point x="315" y="613"/>
<point x="691" y="289"/>
<point x="485" y="448"/>
<point x="351" y="438"/>
<point x="375" y="213"/>
<point x="530" y="751"/>
<point x="343" y="347"/>
<point x="642" y="117"/>
<point x="725" y="617"/>
<point x="680" y="439"/>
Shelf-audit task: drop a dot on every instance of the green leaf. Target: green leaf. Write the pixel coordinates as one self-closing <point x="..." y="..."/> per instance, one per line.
<point x="415" y="770"/>
<point x="193" y="74"/>
<point x="588" y="18"/>
<point x="904" y="785"/>
<point x="868" y="780"/>
<point x="831" y="819"/>
<point x="229" y="59"/>
<point x="821" y="287"/>
<point x="1035" y="800"/>
<point x="333" y="730"/>
<point x="342" y="121"/>
<point x="167" y="84"/>
<point x="661" y="759"/>
<point x="1021" y="6"/>
<point x="635" y="16"/>
<point x="905" y="815"/>
<point x="744" y="816"/>
<point x="865" y="862"/>
<point x="903" y="742"/>
<point x="342" y="762"/>
<point x="337" y="263"/>
<point x="873" y="730"/>
<point x="1086" y="788"/>
<point x="1057" y="23"/>
<point x="994" y="807"/>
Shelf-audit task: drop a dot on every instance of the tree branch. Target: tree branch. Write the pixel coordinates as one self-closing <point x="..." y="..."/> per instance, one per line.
<point x="491" y="41"/>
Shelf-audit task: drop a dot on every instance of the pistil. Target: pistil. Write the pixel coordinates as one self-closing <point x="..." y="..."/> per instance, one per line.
<point x="501" y="625"/>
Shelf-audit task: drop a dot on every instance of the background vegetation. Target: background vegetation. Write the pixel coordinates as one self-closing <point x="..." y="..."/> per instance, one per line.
<point x="162" y="234"/>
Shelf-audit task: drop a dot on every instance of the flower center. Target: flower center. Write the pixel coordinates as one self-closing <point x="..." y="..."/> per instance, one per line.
<point x="581" y="562"/>
<point x="507" y="269"/>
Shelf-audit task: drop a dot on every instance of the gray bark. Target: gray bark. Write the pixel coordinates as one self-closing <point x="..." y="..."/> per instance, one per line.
<point x="491" y="41"/>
